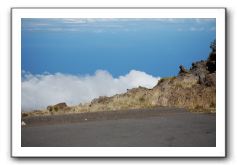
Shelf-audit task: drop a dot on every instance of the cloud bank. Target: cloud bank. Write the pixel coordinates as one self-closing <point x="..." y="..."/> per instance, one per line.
<point x="39" y="91"/>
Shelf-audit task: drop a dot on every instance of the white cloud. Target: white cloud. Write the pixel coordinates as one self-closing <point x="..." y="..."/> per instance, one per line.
<point x="39" y="91"/>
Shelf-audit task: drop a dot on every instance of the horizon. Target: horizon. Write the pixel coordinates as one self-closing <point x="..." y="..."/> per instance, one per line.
<point x="94" y="53"/>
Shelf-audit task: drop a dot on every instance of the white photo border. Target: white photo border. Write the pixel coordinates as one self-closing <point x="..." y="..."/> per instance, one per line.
<point x="218" y="13"/>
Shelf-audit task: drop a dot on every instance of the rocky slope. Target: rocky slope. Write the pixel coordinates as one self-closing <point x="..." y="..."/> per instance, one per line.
<point x="193" y="88"/>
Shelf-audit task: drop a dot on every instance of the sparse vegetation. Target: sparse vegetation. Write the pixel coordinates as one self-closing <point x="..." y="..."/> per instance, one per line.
<point x="178" y="85"/>
<point x="172" y="79"/>
<point x="166" y="79"/>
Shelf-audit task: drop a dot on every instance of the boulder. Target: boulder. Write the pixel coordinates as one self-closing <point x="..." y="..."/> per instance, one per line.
<point x="23" y="123"/>
<point x="182" y="70"/>
<point x="57" y="107"/>
<point x="202" y="78"/>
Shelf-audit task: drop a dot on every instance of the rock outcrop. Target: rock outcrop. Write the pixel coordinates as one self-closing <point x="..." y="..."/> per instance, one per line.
<point x="193" y="88"/>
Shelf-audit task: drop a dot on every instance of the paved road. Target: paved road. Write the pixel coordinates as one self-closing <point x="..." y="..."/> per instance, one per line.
<point x="173" y="129"/>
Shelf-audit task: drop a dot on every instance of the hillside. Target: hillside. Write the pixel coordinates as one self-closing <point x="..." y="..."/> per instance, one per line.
<point x="194" y="89"/>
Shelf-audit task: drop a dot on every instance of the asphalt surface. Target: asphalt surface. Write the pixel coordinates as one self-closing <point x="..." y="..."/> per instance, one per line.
<point x="140" y="128"/>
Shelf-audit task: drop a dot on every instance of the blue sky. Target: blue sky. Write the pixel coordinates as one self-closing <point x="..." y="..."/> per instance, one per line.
<point x="82" y="46"/>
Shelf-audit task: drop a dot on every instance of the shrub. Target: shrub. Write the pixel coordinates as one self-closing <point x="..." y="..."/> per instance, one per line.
<point x="161" y="80"/>
<point x="178" y="85"/>
<point x="212" y="105"/>
<point x="24" y="115"/>
<point x="198" y="107"/>
<point x="56" y="109"/>
<point x="141" y="99"/>
<point x="50" y="109"/>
